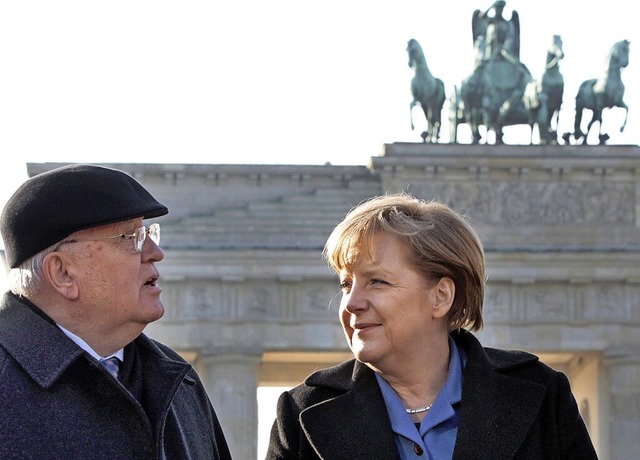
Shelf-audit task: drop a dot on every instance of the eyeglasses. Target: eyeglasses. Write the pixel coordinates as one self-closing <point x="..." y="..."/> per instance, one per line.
<point x="138" y="237"/>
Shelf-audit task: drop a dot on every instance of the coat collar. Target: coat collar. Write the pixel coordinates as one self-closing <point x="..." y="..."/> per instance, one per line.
<point x="45" y="352"/>
<point x="42" y="349"/>
<point x="494" y="407"/>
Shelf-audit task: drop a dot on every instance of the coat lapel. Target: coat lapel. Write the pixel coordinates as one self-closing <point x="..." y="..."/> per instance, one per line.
<point x="497" y="409"/>
<point x="354" y="425"/>
<point x="162" y="376"/>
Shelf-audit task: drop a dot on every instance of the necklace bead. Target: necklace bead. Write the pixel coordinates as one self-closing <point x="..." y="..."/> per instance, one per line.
<point x="418" y="410"/>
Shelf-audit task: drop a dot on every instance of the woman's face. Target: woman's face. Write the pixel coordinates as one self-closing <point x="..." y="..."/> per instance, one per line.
<point x="389" y="311"/>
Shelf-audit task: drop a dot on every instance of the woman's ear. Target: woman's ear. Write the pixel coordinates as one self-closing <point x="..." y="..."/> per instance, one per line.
<point x="56" y="272"/>
<point x="444" y="292"/>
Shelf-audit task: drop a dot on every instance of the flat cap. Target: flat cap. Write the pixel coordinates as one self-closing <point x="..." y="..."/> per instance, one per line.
<point x="50" y="206"/>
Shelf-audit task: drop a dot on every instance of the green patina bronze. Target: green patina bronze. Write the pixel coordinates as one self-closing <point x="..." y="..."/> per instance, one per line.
<point x="500" y="91"/>
<point x="601" y="93"/>
<point x="492" y="96"/>
<point x="427" y="91"/>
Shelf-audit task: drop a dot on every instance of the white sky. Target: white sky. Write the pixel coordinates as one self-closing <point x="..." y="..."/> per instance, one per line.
<point x="250" y="81"/>
<point x="255" y="81"/>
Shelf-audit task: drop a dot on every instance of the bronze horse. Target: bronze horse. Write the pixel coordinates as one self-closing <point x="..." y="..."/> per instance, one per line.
<point x="427" y="91"/>
<point x="543" y="97"/>
<point x="601" y="93"/>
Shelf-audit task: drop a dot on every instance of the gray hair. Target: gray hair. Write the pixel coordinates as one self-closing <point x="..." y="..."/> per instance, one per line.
<point x="26" y="279"/>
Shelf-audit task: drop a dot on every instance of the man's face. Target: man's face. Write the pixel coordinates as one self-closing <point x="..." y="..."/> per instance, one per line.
<point x="118" y="292"/>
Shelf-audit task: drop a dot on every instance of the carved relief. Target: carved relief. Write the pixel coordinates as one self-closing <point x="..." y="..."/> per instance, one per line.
<point x="255" y="300"/>
<point x="606" y="302"/>
<point x="549" y="303"/>
<point x="476" y="200"/>
<point x="202" y="301"/>
<point x="316" y="301"/>
<point x="309" y="301"/>
<point x="537" y="203"/>
<point x="172" y="297"/>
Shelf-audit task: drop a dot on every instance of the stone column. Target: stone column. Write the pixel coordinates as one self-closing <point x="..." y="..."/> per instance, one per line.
<point x="231" y="380"/>
<point x="623" y="365"/>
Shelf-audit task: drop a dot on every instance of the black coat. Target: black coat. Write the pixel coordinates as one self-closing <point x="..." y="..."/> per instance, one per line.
<point x="56" y="402"/>
<point x="513" y="407"/>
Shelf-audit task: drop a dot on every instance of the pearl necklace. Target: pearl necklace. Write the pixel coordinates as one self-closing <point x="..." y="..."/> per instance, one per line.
<point x="418" y="410"/>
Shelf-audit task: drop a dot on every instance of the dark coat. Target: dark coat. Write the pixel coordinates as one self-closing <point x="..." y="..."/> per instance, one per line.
<point x="56" y="402"/>
<point x="513" y="407"/>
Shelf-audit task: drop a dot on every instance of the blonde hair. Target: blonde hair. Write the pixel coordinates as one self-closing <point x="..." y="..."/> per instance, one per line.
<point x="440" y="240"/>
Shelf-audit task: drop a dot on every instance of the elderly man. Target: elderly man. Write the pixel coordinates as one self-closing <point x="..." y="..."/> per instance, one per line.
<point x="78" y="378"/>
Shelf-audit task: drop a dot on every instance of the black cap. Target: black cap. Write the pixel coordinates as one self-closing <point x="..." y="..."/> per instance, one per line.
<point x="50" y="206"/>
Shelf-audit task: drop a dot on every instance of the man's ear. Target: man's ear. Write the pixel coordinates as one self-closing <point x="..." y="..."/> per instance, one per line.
<point x="56" y="272"/>
<point x="444" y="292"/>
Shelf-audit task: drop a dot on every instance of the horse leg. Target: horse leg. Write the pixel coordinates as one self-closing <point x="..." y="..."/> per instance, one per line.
<point x="553" y="123"/>
<point x="566" y="137"/>
<point x="543" y="122"/>
<point x="531" y="134"/>
<point x="597" y="116"/>
<point x="577" y="131"/>
<point x="437" y="105"/>
<point x="413" y="103"/>
<point x="531" y="122"/>
<point x="532" y="128"/>
<point x="426" y="135"/>
<point x="499" y="135"/>
<point x="476" y="134"/>
<point x="435" y="112"/>
<point x="626" y="114"/>
<point x="475" y="121"/>
<point x="435" y="129"/>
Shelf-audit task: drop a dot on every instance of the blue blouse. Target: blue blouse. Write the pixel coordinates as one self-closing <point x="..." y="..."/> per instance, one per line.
<point x="436" y="437"/>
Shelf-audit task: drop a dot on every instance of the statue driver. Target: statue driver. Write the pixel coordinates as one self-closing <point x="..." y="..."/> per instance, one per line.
<point x="499" y="36"/>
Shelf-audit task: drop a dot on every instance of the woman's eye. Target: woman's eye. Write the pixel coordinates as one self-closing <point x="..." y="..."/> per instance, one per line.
<point x="378" y="281"/>
<point x="345" y="285"/>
